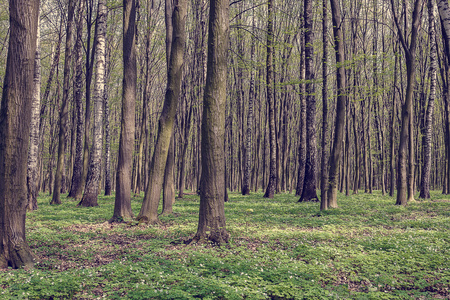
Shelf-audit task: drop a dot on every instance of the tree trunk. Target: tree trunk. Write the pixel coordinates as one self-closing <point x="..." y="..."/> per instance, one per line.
<point x="122" y="204"/>
<point x="16" y="106"/>
<point x="78" y="160"/>
<point x="95" y="161"/>
<point x="250" y="119"/>
<point x="271" y="186"/>
<point x="211" y="223"/>
<point x="324" y="170"/>
<point x="336" y="152"/>
<point x="64" y="113"/>
<point x="309" y="186"/>
<point x="87" y="116"/>
<point x="403" y="192"/>
<point x="32" y="170"/>
<point x="169" y="183"/>
<point x="302" y="129"/>
<point x="149" y="209"/>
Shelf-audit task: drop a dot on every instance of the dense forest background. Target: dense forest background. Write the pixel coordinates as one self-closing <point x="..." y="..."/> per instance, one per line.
<point x="376" y="37"/>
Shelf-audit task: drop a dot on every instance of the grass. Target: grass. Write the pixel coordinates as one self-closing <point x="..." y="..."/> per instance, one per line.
<point x="279" y="249"/>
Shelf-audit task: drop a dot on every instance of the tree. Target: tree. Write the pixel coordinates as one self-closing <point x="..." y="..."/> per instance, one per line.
<point x="405" y="191"/>
<point x="250" y="120"/>
<point x="271" y="186"/>
<point x="426" y="142"/>
<point x="93" y="177"/>
<point x="64" y="113"/>
<point x="324" y="170"/>
<point x="211" y="222"/>
<point x="33" y="153"/>
<point x="336" y="152"/>
<point x="14" y="133"/>
<point x="122" y="205"/>
<point x="309" y="186"/>
<point x="168" y="182"/>
<point x="77" y="172"/>
<point x="149" y="209"/>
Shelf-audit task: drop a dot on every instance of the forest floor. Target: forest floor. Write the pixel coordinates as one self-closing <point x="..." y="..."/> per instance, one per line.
<point x="368" y="248"/>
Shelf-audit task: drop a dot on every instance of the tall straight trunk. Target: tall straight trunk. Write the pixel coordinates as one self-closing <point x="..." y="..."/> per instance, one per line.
<point x="64" y="112"/>
<point x="324" y="170"/>
<point x="250" y="119"/>
<point x="392" y="137"/>
<point x="272" y="184"/>
<point x="32" y="169"/>
<point x="302" y="129"/>
<point x="89" y="64"/>
<point x="404" y="191"/>
<point x="149" y="209"/>
<point x="309" y="186"/>
<point x="140" y="179"/>
<point x="183" y="157"/>
<point x="211" y="223"/>
<point x="336" y="152"/>
<point x="95" y="161"/>
<point x="78" y="160"/>
<point x="168" y="183"/>
<point x="122" y="204"/>
<point x="356" y="177"/>
<point x="15" y="113"/>
<point x="107" y="132"/>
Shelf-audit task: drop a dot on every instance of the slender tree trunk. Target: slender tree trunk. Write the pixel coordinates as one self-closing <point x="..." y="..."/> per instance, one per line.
<point x="404" y="193"/>
<point x="87" y="116"/>
<point x="149" y="209"/>
<point x="302" y="129"/>
<point x="309" y="187"/>
<point x="122" y="204"/>
<point x="324" y="170"/>
<point x="392" y="137"/>
<point x="107" y="132"/>
<point x="211" y="223"/>
<point x="17" y="98"/>
<point x="78" y="160"/>
<point x="336" y="152"/>
<point x="168" y="183"/>
<point x="271" y="186"/>
<point x="95" y="161"/>
<point x="250" y="119"/>
<point x="64" y="112"/>
<point x="32" y="170"/>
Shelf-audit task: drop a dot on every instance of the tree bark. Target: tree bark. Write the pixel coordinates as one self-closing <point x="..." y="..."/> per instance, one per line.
<point x="122" y="204"/>
<point x="78" y="160"/>
<point x="336" y="152"/>
<point x="16" y="105"/>
<point x="169" y="183"/>
<point x="272" y="184"/>
<point x="64" y="112"/>
<point x="426" y="172"/>
<point x="87" y="116"/>
<point x="33" y="154"/>
<point x="149" y="209"/>
<point x="211" y="223"/>
<point x="95" y="161"/>
<point x="404" y="194"/>
<point x="309" y="186"/>
<point x="324" y="170"/>
<point x="250" y="120"/>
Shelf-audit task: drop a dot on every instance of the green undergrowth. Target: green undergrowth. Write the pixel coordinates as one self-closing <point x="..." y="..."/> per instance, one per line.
<point x="368" y="248"/>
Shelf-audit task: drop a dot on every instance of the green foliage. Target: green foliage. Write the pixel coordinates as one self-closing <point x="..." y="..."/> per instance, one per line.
<point x="367" y="249"/>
